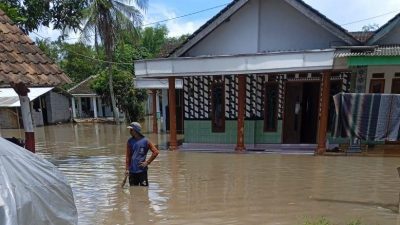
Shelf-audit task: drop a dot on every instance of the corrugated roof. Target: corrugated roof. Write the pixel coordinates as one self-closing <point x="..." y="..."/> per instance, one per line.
<point x="83" y="88"/>
<point x="9" y="98"/>
<point x="22" y="61"/>
<point x="362" y="36"/>
<point x="392" y="50"/>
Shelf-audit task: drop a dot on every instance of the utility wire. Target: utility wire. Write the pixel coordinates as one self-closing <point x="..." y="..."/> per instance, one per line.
<point x="166" y="20"/>
<point x="374" y="17"/>
<point x="197" y="12"/>
<point x="186" y="15"/>
<point x="91" y="58"/>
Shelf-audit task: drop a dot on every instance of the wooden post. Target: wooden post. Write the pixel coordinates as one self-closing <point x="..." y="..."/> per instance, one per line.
<point x="241" y="113"/>
<point x="154" y="107"/>
<point x="22" y="91"/>
<point x="173" y="143"/>
<point x="324" y="114"/>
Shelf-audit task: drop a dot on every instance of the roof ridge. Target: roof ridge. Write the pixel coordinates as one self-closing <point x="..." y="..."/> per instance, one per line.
<point x="321" y="16"/>
<point x="82" y="82"/>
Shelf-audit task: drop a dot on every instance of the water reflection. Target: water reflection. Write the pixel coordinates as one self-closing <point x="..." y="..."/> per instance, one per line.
<point x="206" y="188"/>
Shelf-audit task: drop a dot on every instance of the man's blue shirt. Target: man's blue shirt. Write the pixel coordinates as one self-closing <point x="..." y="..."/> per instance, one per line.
<point x="139" y="149"/>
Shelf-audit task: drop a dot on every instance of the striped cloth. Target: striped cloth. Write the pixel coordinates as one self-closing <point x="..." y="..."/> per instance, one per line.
<point x="371" y="117"/>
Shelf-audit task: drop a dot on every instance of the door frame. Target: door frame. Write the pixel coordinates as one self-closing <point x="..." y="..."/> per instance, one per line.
<point x="284" y="103"/>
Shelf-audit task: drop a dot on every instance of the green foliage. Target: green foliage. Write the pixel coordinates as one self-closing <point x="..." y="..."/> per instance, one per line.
<point x="31" y="14"/>
<point x="12" y="13"/>
<point x="74" y="59"/>
<point x="129" y="99"/>
<point x="321" y="221"/>
<point x="51" y="49"/>
<point x="77" y="63"/>
<point x="324" y="221"/>
<point x="153" y="39"/>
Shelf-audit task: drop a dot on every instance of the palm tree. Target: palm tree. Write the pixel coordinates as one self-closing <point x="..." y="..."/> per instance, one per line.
<point x="107" y="19"/>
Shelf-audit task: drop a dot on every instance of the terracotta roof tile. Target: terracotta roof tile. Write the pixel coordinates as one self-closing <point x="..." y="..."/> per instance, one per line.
<point x="22" y="61"/>
<point x="83" y="87"/>
<point x="362" y="36"/>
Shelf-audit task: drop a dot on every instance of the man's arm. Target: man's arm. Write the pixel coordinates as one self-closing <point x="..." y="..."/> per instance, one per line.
<point x="154" y="153"/>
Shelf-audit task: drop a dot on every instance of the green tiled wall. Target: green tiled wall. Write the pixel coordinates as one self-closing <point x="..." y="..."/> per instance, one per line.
<point x="199" y="131"/>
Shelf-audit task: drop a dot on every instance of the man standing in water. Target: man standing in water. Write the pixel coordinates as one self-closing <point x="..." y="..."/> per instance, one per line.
<point x="136" y="151"/>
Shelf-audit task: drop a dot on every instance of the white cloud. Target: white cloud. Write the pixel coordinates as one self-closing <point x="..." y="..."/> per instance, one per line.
<point x="176" y="27"/>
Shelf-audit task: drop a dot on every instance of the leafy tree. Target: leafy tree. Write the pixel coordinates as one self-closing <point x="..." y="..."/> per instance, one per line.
<point x="74" y="59"/>
<point x="77" y="63"/>
<point x="106" y="19"/>
<point x="12" y="13"/>
<point x="51" y="49"/>
<point x="154" y="38"/>
<point x="29" y="15"/>
<point x="370" y="27"/>
<point x="170" y="45"/>
<point x="128" y="99"/>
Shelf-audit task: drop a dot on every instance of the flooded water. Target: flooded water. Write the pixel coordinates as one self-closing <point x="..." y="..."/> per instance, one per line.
<point x="217" y="188"/>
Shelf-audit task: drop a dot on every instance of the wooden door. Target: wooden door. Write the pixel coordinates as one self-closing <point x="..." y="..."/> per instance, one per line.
<point x="310" y="111"/>
<point x="377" y="86"/>
<point x="292" y="113"/>
<point x="396" y="86"/>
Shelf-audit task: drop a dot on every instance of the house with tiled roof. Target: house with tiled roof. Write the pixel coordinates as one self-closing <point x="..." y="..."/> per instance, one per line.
<point x="86" y="104"/>
<point x="22" y="66"/>
<point x="260" y="75"/>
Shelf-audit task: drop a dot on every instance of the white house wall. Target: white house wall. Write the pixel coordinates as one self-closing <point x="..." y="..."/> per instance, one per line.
<point x="265" y="26"/>
<point x="237" y="35"/>
<point x="389" y="72"/>
<point x="57" y="108"/>
<point x="282" y="27"/>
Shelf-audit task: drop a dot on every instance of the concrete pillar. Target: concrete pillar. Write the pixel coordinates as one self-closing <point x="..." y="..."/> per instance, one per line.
<point x="73" y="107"/>
<point x="324" y="114"/>
<point x="101" y="113"/>
<point x="94" y="102"/>
<point x="164" y="104"/>
<point x="22" y="90"/>
<point x="241" y="113"/>
<point x="154" y="111"/>
<point x="80" y="107"/>
<point x="173" y="143"/>
<point x="158" y="110"/>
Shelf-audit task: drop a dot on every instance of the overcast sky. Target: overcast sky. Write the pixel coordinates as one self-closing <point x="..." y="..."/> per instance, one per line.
<point x="340" y="11"/>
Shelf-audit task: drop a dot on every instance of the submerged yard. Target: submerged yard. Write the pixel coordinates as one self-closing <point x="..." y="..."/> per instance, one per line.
<point x="217" y="188"/>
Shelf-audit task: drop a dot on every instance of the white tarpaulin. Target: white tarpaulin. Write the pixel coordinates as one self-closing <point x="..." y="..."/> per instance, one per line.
<point x="33" y="190"/>
<point x="9" y="98"/>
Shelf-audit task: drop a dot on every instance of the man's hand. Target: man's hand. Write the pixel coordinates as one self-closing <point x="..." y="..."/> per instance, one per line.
<point x="144" y="164"/>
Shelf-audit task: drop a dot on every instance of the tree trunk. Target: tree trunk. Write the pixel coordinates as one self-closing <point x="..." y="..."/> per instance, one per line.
<point x="112" y="95"/>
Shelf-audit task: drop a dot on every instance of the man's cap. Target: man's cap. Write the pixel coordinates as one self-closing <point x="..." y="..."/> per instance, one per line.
<point x="136" y="127"/>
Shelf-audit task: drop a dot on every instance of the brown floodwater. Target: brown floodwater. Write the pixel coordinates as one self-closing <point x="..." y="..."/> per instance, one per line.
<point x="217" y="188"/>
